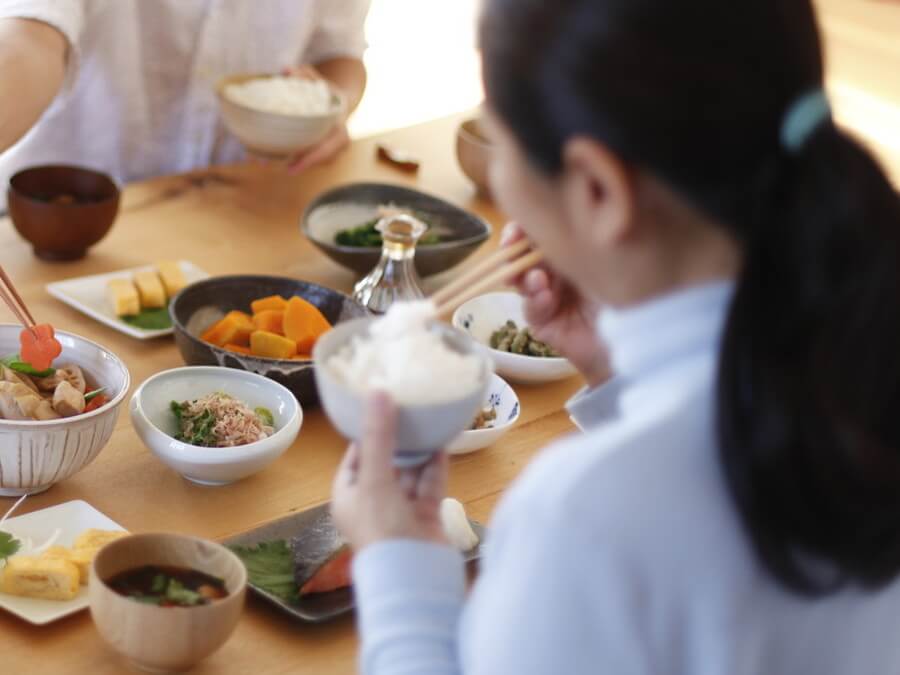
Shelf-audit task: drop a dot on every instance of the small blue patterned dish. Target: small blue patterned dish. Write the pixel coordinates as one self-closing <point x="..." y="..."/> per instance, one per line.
<point x="500" y="398"/>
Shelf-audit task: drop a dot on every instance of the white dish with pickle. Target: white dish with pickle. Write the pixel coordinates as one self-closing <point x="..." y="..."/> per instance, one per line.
<point x="490" y="315"/>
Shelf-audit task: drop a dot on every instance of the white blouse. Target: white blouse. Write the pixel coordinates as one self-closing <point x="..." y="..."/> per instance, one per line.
<point x="619" y="551"/>
<point x="139" y="97"/>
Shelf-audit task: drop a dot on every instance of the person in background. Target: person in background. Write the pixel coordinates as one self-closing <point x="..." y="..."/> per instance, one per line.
<point x="737" y="510"/>
<point x="127" y="86"/>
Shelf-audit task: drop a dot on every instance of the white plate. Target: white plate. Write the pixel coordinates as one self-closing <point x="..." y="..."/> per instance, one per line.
<point x="71" y="519"/>
<point x="89" y="296"/>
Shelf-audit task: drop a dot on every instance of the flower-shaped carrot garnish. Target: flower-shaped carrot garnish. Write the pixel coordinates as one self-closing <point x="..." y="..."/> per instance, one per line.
<point x="39" y="346"/>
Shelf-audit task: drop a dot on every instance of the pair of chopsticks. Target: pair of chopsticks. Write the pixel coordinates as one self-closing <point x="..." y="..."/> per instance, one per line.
<point x="14" y="301"/>
<point x="498" y="268"/>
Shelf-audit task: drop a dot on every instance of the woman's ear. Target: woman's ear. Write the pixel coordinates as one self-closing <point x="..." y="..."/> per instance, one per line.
<point x="598" y="192"/>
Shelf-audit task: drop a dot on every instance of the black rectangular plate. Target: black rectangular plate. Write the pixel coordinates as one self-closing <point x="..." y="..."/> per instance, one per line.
<point x="318" y="607"/>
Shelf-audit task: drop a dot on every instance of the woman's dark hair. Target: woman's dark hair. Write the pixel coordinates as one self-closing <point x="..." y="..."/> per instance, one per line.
<point x="696" y="93"/>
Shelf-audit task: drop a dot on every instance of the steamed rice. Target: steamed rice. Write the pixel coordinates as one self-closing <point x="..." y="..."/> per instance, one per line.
<point x="402" y="357"/>
<point x="283" y="95"/>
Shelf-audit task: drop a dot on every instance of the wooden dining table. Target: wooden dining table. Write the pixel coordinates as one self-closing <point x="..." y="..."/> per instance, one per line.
<point x="233" y="220"/>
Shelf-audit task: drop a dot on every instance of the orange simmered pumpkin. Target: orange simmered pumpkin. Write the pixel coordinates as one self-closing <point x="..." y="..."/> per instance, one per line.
<point x="278" y="329"/>
<point x="275" y="302"/>
<point x="234" y="328"/>
<point x="304" y="324"/>
<point x="270" y="320"/>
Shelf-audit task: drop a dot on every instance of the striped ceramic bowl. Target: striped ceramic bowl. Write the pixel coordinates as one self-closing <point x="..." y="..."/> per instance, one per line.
<point x="35" y="455"/>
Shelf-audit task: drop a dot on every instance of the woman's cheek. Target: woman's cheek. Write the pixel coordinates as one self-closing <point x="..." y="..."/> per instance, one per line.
<point x="510" y="192"/>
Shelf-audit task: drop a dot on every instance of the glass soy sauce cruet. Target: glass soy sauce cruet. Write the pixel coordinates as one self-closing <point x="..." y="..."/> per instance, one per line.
<point x="395" y="277"/>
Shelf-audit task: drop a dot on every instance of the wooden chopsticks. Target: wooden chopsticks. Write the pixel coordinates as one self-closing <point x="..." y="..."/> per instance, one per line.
<point x="498" y="268"/>
<point x="14" y="301"/>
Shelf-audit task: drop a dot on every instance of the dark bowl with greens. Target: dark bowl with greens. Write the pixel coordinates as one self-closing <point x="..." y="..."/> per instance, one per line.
<point x="341" y="223"/>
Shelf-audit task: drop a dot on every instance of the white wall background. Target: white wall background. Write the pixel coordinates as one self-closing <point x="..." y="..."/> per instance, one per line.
<point x="422" y="63"/>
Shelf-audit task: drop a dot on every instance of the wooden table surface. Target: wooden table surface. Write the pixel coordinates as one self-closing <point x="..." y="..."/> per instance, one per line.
<point x="242" y="219"/>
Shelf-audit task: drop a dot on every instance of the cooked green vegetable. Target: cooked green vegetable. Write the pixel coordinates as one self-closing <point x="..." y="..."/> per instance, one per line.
<point x="150" y="319"/>
<point x="16" y="363"/>
<point x="270" y="567"/>
<point x="202" y="428"/>
<point x="363" y="236"/>
<point x="265" y="415"/>
<point x="510" y="338"/>
<point x="366" y="236"/>
<point x="93" y="394"/>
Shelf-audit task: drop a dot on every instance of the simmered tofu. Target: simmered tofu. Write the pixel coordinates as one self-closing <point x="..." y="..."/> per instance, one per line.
<point x="67" y="400"/>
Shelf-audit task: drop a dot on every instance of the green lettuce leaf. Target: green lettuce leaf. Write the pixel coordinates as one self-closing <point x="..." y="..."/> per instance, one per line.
<point x="9" y="545"/>
<point x="270" y="567"/>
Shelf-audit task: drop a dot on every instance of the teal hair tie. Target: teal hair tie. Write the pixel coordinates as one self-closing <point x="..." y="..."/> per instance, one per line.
<point x="803" y="118"/>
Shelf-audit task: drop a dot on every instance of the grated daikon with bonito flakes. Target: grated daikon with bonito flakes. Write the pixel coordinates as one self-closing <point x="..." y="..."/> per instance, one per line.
<point x="283" y="95"/>
<point x="404" y="358"/>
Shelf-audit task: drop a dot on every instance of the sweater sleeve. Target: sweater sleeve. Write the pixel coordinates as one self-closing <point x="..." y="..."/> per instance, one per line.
<point x="590" y="408"/>
<point x="409" y="596"/>
<point x="551" y="598"/>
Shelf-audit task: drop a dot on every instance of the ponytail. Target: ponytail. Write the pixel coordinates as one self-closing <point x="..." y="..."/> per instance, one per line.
<point x="809" y="381"/>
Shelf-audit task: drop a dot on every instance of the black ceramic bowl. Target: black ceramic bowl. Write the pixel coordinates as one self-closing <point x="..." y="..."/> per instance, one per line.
<point x="201" y="304"/>
<point x="351" y="205"/>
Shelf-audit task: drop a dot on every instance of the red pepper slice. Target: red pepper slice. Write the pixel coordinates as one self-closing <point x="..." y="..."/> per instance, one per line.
<point x="98" y="401"/>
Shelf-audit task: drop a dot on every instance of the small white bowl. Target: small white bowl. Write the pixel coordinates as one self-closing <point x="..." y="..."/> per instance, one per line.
<point x="482" y="316"/>
<point x="274" y="134"/>
<point x="423" y="429"/>
<point x="155" y="423"/>
<point x="35" y="455"/>
<point x="502" y="398"/>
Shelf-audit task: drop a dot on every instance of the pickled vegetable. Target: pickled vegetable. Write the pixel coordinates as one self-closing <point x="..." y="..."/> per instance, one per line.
<point x="511" y="338"/>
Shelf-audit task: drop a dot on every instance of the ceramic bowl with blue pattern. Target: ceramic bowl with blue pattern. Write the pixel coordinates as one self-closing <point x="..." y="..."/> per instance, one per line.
<point x="502" y="399"/>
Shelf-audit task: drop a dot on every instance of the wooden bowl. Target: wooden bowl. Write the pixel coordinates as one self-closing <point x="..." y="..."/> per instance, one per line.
<point x="473" y="152"/>
<point x="165" y="639"/>
<point x="62" y="210"/>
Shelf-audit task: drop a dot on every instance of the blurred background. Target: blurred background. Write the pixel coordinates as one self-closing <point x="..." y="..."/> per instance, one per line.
<point x="423" y="64"/>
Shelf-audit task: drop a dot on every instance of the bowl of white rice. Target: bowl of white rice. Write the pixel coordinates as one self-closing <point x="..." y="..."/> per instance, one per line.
<point x="278" y="116"/>
<point x="435" y="374"/>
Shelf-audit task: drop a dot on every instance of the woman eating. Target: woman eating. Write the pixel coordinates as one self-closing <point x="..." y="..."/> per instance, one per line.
<point x="733" y="505"/>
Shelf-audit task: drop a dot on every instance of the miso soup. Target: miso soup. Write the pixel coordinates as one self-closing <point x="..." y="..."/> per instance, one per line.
<point x="166" y="586"/>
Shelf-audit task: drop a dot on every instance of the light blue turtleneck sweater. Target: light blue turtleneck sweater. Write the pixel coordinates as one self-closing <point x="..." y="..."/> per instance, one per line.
<point x="619" y="550"/>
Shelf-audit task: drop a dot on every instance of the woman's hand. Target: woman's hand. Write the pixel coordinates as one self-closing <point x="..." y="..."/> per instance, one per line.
<point x="372" y="501"/>
<point x="561" y="317"/>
